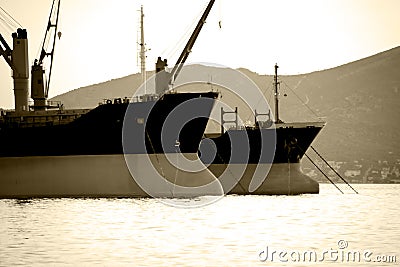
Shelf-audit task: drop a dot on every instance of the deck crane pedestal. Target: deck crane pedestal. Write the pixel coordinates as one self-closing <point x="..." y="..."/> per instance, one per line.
<point x="17" y="59"/>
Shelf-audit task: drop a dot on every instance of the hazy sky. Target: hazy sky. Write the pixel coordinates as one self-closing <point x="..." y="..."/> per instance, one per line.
<point x="99" y="37"/>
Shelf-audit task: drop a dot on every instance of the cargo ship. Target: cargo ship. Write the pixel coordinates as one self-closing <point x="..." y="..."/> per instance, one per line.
<point x="49" y="151"/>
<point x="264" y="158"/>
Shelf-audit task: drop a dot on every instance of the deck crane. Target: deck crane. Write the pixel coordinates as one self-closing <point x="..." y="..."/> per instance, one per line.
<point x="17" y="59"/>
<point x="163" y="78"/>
<point x="39" y="85"/>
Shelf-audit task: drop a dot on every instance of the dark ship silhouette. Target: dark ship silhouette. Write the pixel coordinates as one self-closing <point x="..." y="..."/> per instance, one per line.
<point x="48" y="151"/>
<point x="263" y="158"/>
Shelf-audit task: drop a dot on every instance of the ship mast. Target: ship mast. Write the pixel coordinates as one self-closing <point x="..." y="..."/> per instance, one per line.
<point x="276" y="84"/>
<point x="142" y="48"/>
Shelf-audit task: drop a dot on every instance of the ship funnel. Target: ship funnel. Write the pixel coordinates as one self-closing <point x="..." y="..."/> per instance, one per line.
<point x="20" y="74"/>
<point x="162" y="76"/>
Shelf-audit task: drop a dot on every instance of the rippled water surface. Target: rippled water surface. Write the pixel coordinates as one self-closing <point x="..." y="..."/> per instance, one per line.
<point x="235" y="231"/>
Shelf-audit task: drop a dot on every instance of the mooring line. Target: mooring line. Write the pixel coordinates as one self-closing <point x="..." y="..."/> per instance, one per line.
<point x="318" y="168"/>
<point x="323" y="173"/>
<point x="333" y="169"/>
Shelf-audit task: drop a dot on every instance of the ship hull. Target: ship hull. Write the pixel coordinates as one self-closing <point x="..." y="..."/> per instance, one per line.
<point x="281" y="179"/>
<point x="263" y="161"/>
<point x="100" y="176"/>
<point x="115" y="150"/>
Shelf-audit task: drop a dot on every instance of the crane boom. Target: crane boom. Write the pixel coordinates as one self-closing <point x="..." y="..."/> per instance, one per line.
<point x="54" y="40"/>
<point x="188" y="48"/>
<point x="164" y="78"/>
<point x="39" y="85"/>
<point x="6" y="52"/>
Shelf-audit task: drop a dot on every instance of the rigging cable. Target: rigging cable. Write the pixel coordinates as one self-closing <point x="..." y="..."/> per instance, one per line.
<point x="172" y="49"/>
<point x="304" y="104"/>
<point x="189" y="29"/>
<point x="252" y="113"/>
<point x="6" y="26"/>
<point x="16" y="23"/>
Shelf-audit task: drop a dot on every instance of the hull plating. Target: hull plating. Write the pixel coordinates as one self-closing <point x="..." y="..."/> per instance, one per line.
<point x="98" y="176"/>
<point x="282" y="179"/>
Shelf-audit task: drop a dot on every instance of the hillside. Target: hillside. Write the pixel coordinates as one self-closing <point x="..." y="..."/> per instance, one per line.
<point x="359" y="101"/>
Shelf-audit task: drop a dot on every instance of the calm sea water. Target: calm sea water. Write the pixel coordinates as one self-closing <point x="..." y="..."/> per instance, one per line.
<point x="235" y="231"/>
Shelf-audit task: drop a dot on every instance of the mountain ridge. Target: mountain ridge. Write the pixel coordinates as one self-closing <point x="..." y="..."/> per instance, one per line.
<point x="359" y="100"/>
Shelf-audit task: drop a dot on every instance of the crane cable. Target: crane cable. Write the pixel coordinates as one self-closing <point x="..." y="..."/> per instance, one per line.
<point x="12" y="22"/>
<point x="6" y="26"/>
<point x="173" y="48"/>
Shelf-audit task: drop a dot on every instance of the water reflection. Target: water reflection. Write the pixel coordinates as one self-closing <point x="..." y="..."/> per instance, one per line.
<point x="230" y="232"/>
